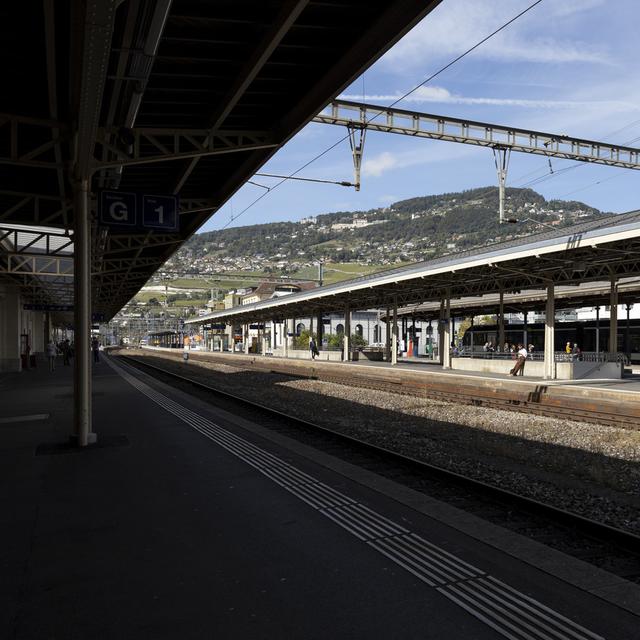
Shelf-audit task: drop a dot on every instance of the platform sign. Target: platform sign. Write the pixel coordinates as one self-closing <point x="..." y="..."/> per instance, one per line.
<point x="119" y="209"/>
<point x="127" y="212"/>
<point x="160" y="212"/>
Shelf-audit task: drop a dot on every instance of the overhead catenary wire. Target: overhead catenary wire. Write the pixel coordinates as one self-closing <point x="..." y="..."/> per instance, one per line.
<point x="571" y="167"/>
<point x="608" y="135"/>
<point x="551" y="173"/>
<point x="591" y="184"/>
<point x="395" y="102"/>
<point x="342" y="183"/>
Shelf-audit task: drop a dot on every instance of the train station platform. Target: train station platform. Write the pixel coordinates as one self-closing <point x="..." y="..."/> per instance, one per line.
<point x="185" y="521"/>
<point x="419" y="365"/>
<point x="423" y="371"/>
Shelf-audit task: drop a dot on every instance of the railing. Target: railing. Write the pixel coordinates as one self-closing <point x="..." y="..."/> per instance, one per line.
<point x="319" y="348"/>
<point x="496" y="355"/>
<point x="559" y="356"/>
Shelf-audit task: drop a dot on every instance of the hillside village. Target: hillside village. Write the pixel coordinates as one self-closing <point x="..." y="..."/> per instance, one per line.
<point x="406" y="231"/>
<point x="231" y="264"/>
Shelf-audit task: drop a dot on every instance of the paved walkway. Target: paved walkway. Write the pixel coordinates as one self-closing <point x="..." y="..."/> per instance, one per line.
<point x="187" y="522"/>
<point x="418" y="364"/>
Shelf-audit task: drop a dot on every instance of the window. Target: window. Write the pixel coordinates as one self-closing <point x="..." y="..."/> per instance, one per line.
<point x="339" y="328"/>
<point x="358" y="329"/>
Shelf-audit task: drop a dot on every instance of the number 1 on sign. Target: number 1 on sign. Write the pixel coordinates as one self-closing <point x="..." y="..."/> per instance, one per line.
<point x="160" y="212"/>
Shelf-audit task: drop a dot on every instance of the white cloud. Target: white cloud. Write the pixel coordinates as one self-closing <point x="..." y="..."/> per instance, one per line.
<point x="377" y="165"/>
<point x="441" y="95"/>
<point x="456" y="25"/>
<point x="571" y="7"/>
<point x="381" y="163"/>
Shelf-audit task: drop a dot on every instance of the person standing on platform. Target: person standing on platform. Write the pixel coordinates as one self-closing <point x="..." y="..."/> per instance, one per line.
<point x="66" y="353"/>
<point x="313" y="349"/>
<point x="575" y="352"/>
<point x="51" y="355"/>
<point x="519" y="366"/>
<point x="95" y="347"/>
<point x="567" y="349"/>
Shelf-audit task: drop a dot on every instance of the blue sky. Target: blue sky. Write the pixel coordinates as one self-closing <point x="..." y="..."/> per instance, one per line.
<point x="567" y="66"/>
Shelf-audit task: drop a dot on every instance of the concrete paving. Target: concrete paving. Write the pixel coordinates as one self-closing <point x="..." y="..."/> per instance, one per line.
<point x="187" y="522"/>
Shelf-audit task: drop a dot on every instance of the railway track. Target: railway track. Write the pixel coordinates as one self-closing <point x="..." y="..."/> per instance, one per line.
<point x="537" y="401"/>
<point x="606" y="547"/>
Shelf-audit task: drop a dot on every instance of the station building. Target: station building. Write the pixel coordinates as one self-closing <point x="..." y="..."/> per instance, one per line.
<point x="594" y="262"/>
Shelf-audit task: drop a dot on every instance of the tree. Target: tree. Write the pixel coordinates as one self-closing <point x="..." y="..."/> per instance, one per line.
<point x="357" y="340"/>
<point x="302" y="341"/>
<point x="462" y="327"/>
<point x="336" y="340"/>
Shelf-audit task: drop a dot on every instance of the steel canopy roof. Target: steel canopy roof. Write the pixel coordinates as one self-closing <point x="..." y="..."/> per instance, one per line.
<point x="593" y="251"/>
<point x="247" y="74"/>
<point x="567" y="297"/>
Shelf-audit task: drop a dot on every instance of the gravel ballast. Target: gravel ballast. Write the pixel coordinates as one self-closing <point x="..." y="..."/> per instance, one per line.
<point x="590" y="469"/>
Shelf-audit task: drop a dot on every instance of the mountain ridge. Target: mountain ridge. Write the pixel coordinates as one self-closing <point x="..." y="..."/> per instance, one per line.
<point x="409" y="230"/>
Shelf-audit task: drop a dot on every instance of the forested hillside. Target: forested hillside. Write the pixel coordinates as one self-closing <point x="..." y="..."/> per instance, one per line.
<point x="409" y="230"/>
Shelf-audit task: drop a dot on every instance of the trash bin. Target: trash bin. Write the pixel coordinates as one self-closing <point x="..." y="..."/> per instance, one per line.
<point x="185" y="356"/>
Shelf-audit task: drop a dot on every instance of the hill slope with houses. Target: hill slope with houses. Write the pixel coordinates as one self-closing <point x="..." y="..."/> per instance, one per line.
<point x="406" y="231"/>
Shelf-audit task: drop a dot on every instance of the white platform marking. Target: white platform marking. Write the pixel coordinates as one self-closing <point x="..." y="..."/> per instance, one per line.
<point x="509" y="612"/>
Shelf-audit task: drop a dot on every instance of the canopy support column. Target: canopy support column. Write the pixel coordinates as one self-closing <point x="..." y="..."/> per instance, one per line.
<point x="387" y="349"/>
<point x="263" y="343"/>
<point x="627" y="343"/>
<point x="597" y="329"/>
<point x="441" y="336"/>
<point x="613" y="316"/>
<point x="446" y="333"/>
<point x="549" y="335"/>
<point x="347" y="334"/>
<point x="319" y="331"/>
<point x="394" y="333"/>
<point x="285" y="337"/>
<point x="83" y="434"/>
<point x="501" y="339"/>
